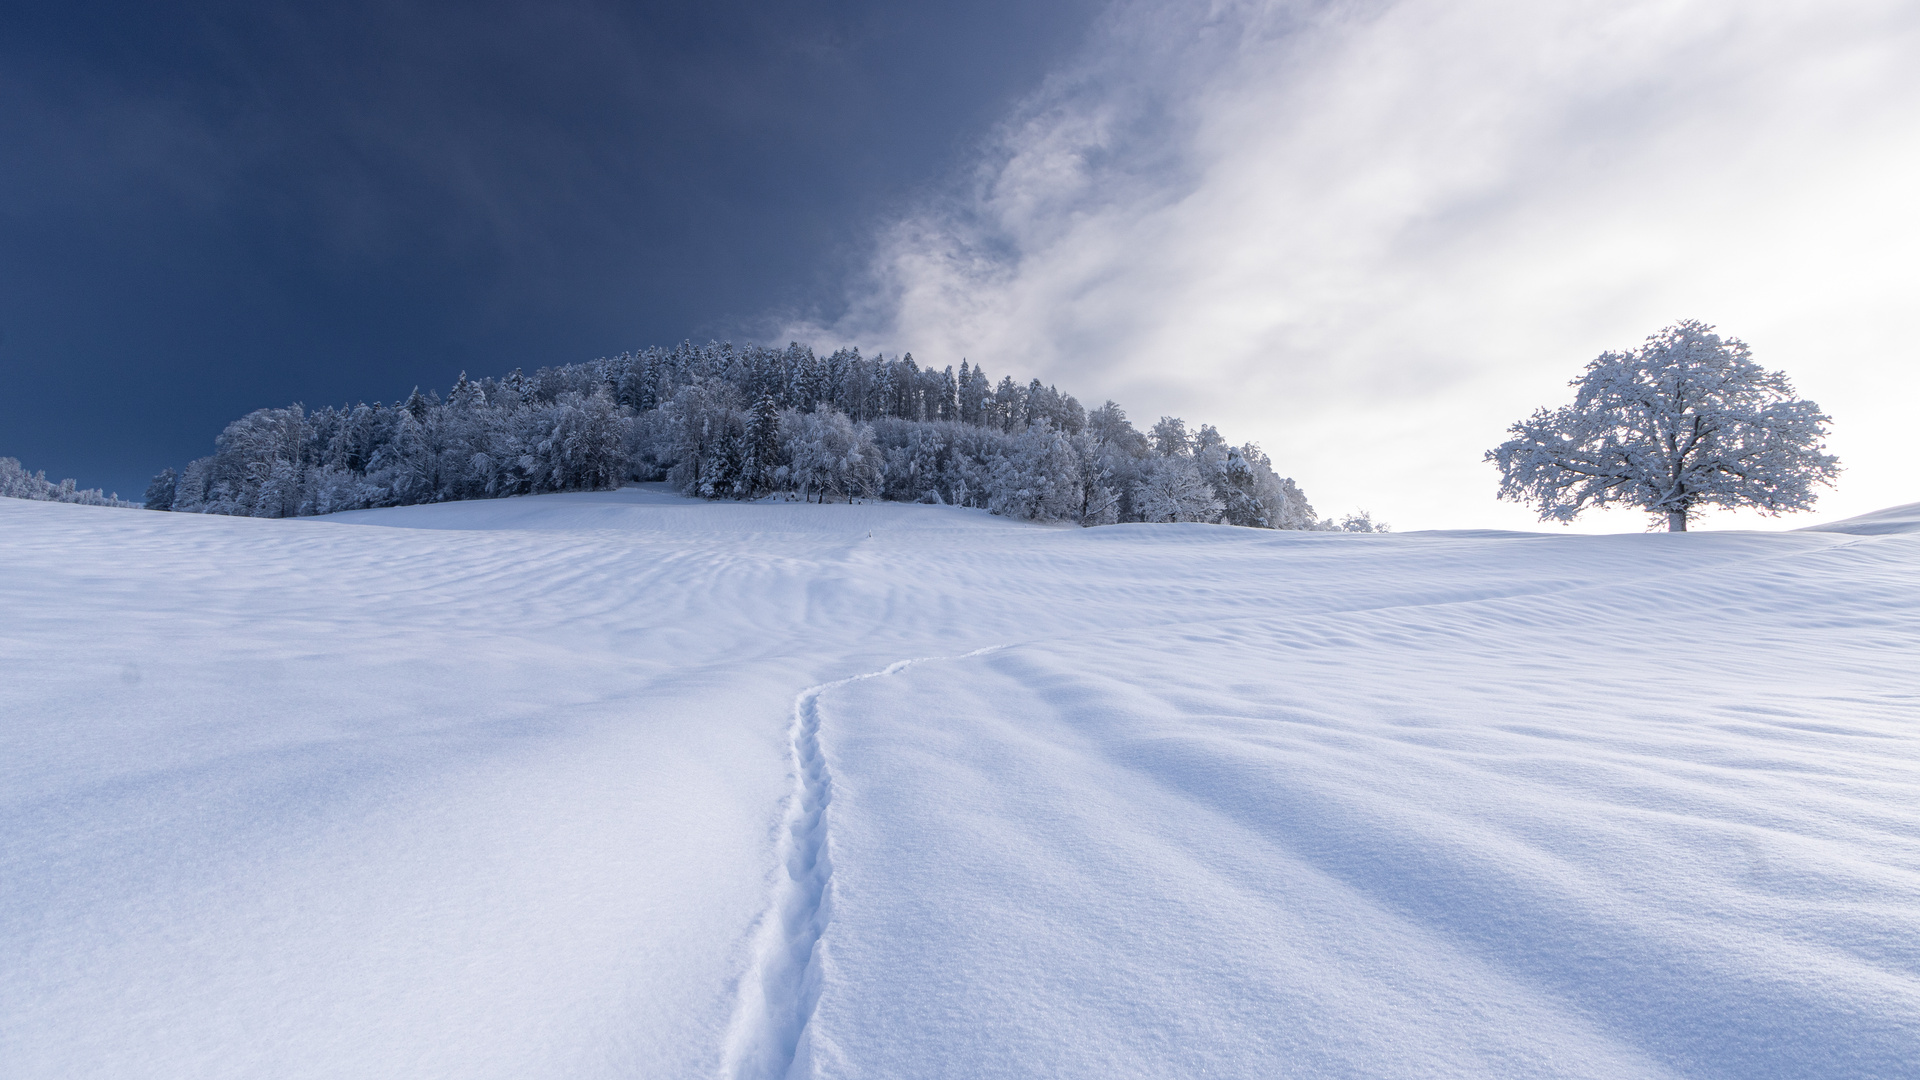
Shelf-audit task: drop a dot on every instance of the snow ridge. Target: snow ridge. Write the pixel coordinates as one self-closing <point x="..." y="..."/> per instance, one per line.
<point x="781" y="988"/>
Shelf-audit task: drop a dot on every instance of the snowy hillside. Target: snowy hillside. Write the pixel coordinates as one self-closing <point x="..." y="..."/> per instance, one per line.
<point x="1894" y="519"/>
<point x="513" y="789"/>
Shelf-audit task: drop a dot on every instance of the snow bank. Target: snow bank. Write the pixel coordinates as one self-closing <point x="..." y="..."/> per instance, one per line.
<point x="558" y="786"/>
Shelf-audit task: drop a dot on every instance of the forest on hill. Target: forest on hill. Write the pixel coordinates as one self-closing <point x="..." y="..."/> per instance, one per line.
<point x="722" y="422"/>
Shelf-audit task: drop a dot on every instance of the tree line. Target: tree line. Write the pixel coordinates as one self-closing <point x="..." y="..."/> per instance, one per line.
<point x="722" y="422"/>
<point x="17" y="483"/>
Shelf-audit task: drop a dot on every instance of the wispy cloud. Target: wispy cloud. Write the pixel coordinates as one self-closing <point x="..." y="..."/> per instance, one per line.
<point x="1371" y="235"/>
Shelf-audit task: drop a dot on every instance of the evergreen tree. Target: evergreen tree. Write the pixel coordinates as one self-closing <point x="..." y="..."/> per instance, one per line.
<point x="760" y="455"/>
<point x="160" y="491"/>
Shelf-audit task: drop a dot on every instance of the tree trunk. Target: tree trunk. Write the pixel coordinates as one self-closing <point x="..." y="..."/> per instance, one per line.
<point x="1676" y="521"/>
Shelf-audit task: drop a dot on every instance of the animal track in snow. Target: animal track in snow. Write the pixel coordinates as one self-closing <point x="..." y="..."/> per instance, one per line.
<point x="778" y="994"/>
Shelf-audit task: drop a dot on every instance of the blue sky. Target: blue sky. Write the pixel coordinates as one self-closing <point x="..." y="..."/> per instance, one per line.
<point x="1367" y="235"/>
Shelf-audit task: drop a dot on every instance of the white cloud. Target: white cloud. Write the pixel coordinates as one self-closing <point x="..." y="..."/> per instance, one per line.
<point x="1370" y="236"/>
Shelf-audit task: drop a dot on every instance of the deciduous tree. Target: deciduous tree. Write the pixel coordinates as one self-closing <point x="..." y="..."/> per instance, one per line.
<point x="1686" y="420"/>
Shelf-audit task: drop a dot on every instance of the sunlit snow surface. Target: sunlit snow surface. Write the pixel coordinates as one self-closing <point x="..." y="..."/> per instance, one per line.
<point x="557" y="787"/>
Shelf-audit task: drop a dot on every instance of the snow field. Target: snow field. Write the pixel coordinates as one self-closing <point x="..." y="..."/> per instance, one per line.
<point x="1309" y="846"/>
<point x="585" y="785"/>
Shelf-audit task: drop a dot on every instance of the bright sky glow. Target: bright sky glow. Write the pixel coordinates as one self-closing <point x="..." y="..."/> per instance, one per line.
<point x="1370" y="236"/>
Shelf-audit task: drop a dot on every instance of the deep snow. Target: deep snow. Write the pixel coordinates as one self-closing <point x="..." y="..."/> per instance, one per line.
<point x="626" y="785"/>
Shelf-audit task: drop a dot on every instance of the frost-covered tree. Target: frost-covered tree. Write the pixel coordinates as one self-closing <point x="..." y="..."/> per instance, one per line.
<point x="1251" y="493"/>
<point x="258" y="465"/>
<point x="760" y="454"/>
<point x="703" y="431"/>
<point x="17" y="483"/>
<point x="1170" y="437"/>
<point x="1098" y="496"/>
<point x="831" y="456"/>
<point x="582" y="448"/>
<point x="723" y="422"/>
<point x="917" y="458"/>
<point x="1176" y="491"/>
<point x="1038" y="477"/>
<point x="160" y="491"/>
<point x="1686" y="420"/>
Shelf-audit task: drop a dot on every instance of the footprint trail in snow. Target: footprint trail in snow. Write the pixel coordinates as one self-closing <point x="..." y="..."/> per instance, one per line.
<point x="778" y="994"/>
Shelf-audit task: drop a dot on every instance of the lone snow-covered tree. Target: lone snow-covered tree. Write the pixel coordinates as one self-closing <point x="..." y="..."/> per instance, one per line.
<point x="1684" y="421"/>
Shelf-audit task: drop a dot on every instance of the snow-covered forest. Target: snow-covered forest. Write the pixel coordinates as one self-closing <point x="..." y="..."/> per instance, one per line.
<point x="734" y="423"/>
<point x="17" y="483"/>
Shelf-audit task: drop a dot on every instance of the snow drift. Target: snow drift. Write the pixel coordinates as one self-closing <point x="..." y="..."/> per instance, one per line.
<point x="1894" y="519"/>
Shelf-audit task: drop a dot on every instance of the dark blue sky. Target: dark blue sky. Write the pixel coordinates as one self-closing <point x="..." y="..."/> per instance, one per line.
<point x="208" y="208"/>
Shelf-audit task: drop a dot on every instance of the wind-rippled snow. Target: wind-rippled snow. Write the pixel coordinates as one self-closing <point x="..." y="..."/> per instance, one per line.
<point x="584" y="785"/>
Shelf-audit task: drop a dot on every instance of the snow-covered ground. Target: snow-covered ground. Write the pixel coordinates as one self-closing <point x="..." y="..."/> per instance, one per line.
<point x="590" y="785"/>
